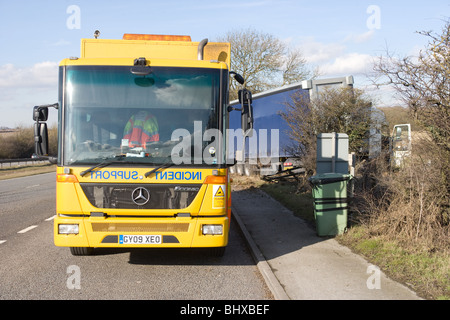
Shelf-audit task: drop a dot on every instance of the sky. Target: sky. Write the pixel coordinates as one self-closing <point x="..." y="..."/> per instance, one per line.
<point x="341" y="38"/>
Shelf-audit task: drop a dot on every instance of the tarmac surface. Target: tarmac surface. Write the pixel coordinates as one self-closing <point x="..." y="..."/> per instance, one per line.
<point x="299" y="265"/>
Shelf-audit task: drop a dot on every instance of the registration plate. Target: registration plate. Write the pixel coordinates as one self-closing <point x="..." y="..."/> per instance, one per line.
<point x="140" y="239"/>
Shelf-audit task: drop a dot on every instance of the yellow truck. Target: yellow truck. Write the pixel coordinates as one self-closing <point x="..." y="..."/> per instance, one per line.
<point x="142" y="144"/>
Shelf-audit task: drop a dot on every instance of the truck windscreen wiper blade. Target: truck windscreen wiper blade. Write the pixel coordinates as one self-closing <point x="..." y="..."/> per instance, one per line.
<point x="164" y="165"/>
<point x="105" y="163"/>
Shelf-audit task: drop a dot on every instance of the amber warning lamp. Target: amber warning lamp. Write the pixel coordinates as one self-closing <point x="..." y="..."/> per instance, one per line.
<point x="155" y="37"/>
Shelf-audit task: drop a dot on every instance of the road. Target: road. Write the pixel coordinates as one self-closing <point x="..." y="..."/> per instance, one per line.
<point x="31" y="267"/>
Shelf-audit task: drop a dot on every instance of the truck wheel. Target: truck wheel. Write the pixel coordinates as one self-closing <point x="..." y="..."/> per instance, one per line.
<point x="81" y="251"/>
<point x="249" y="170"/>
<point x="240" y="169"/>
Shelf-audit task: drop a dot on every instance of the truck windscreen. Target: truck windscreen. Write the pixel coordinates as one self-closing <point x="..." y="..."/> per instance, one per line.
<point x="159" y="118"/>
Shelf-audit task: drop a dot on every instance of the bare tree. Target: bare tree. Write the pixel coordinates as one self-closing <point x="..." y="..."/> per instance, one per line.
<point x="264" y="61"/>
<point x="423" y="83"/>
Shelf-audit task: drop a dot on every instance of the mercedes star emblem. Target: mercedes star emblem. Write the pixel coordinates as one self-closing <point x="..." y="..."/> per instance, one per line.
<point x="140" y="196"/>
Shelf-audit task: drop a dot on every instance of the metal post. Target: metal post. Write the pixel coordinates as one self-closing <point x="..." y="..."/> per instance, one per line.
<point x="333" y="152"/>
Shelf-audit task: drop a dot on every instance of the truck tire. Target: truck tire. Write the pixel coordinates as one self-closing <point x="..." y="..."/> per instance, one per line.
<point x="81" y="251"/>
<point x="240" y="169"/>
<point x="249" y="170"/>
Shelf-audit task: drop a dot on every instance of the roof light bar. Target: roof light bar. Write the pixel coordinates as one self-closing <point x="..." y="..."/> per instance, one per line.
<point x="155" y="37"/>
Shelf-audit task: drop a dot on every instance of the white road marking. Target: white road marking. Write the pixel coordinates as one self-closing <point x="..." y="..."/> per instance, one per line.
<point x="30" y="228"/>
<point x="27" y="229"/>
<point x="33" y="186"/>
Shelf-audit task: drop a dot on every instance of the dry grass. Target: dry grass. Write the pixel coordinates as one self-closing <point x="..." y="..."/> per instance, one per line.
<point x="23" y="171"/>
<point x="409" y="204"/>
<point x="401" y="221"/>
<point x="19" y="143"/>
<point x="398" y="222"/>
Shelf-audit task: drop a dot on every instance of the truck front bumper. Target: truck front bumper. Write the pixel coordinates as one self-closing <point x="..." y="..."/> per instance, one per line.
<point x="176" y="232"/>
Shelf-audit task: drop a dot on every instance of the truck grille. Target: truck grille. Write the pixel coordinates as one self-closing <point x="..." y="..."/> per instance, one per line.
<point x="139" y="227"/>
<point x="127" y="196"/>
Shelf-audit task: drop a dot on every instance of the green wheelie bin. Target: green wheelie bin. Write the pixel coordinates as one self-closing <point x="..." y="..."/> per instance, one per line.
<point x="329" y="191"/>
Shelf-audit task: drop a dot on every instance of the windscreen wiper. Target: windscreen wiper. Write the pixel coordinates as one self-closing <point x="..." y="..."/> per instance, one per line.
<point x="105" y="163"/>
<point x="164" y="165"/>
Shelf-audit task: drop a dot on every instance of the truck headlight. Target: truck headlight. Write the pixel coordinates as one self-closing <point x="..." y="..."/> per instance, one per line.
<point x="68" y="229"/>
<point x="216" y="229"/>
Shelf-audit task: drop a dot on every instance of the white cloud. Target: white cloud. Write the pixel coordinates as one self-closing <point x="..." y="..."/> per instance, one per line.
<point x="341" y="58"/>
<point x="334" y="59"/>
<point x="21" y="88"/>
<point x="40" y="75"/>
<point x="360" y="38"/>
<point x="317" y="52"/>
<point x="350" y="63"/>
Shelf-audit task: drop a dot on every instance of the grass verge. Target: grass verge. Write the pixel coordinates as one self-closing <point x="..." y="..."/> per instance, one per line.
<point x="23" y="171"/>
<point x="427" y="273"/>
<point x="286" y="192"/>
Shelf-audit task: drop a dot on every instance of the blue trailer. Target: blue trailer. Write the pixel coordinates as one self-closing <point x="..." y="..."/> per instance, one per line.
<point x="266" y="149"/>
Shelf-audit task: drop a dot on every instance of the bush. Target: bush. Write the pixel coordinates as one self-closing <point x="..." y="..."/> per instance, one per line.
<point x="422" y="82"/>
<point x="19" y="143"/>
<point x="410" y="204"/>
<point x="400" y="220"/>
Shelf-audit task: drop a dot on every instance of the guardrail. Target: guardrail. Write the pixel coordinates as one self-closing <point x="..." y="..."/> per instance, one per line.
<point x="7" y="163"/>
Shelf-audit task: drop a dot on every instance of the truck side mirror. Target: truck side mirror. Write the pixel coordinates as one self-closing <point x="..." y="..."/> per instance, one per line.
<point x="40" y="115"/>
<point x="245" y="98"/>
<point x="41" y="138"/>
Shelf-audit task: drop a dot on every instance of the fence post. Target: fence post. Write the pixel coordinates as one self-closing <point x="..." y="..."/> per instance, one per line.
<point x="352" y="164"/>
